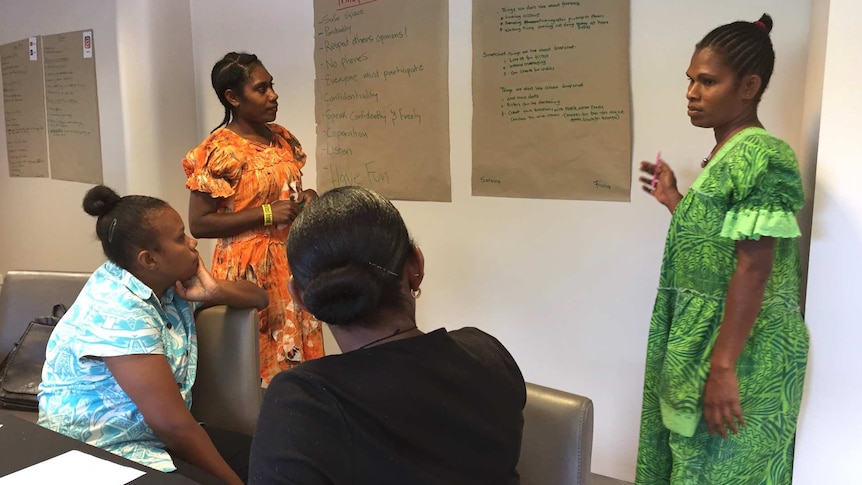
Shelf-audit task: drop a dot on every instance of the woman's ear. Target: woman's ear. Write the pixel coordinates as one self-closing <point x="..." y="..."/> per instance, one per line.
<point x="146" y="260"/>
<point x="232" y="97"/>
<point x="296" y="293"/>
<point x="414" y="268"/>
<point x="751" y="86"/>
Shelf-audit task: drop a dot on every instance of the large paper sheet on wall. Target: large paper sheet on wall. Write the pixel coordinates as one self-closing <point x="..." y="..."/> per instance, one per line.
<point x="551" y="99"/>
<point x="382" y="96"/>
<point x="72" y="106"/>
<point x="24" y="108"/>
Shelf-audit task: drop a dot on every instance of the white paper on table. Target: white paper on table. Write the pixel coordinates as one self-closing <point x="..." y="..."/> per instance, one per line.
<point x="73" y="467"/>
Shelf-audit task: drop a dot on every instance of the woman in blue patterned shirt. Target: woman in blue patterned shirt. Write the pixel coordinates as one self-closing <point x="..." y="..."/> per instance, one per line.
<point x="121" y="363"/>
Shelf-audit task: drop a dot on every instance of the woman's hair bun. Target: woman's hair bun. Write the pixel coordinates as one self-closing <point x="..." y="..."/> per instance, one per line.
<point x="343" y="295"/>
<point x="766" y="20"/>
<point x="100" y="200"/>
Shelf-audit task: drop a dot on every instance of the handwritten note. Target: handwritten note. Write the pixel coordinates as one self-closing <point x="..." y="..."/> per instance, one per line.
<point x="24" y="108"/>
<point x="72" y="107"/>
<point x="551" y="99"/>
<point x="382" y="97"/>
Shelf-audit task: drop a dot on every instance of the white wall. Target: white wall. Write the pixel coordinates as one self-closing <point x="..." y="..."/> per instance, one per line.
<point x="158" y="96"/>
<point x="810" y="132"/>
<point x="567" y="286"/>
<point x="829" y="446"/>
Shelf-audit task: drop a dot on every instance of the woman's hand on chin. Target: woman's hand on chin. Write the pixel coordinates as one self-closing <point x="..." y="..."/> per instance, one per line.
<point x="201" y="287"/>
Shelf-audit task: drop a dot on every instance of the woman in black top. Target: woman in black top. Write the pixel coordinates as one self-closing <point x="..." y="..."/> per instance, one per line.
<point x="398" y="406"/>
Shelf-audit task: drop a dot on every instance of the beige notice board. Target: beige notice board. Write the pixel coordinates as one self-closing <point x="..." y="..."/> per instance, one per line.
<point x="382" y="96"/>
<point x="551" y="99"/>
<point x="24" y="108"/>
<point x="51" y="107"/>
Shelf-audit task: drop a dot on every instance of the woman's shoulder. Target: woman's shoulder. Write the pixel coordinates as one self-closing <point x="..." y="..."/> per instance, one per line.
<point x="221" y="138"/>
<point x="753" y="153"/>
<point x="760" y="140"/>
<point x="490" y="354"/>
<point x="483" y="346"/>
<point x="472" y="336"/>
<point x="112" y="291"/>
<point x="280" y="130"/>
<point x="222" y="153"/>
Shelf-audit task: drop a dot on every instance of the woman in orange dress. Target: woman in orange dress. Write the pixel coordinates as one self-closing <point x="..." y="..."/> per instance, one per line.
<point x="246" y="190"/>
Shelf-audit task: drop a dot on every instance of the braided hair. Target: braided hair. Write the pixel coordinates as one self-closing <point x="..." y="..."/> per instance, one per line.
<point x="745" y="47"/>
<point x="231" y="72"/>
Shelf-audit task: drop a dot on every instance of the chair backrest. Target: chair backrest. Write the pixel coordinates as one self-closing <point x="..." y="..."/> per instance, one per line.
<point x="557" y="444"/>
<point x="227" y="392"/>
<point x="28" y="294"/>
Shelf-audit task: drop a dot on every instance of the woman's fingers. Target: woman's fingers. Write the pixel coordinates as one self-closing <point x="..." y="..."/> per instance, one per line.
<point x="712" y="421"/>
<point x="738" y="418"/>
<point x="720" y="419"/>
<point x="728" y="421"/>
<point x="649" y="169"/>
<point x="284" y="211"/>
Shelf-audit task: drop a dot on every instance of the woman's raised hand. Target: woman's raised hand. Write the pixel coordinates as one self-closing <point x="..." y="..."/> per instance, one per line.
<point x="660" y="182"/>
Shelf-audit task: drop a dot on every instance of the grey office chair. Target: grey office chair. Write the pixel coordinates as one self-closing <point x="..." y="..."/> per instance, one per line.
<point x="28" y="294"/>
<point x="227" y="392"/>
<point x="557" y="444"/>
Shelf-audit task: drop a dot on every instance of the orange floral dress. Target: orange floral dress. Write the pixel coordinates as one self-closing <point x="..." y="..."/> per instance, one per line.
<point x="242" y="174"/>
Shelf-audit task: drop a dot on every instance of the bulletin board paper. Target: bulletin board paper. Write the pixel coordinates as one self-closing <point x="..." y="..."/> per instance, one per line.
<point x="72" y="107"/>
<point x="551" y="99"/>
<point x="24" y="108"/>
<point x="382" y="97"/>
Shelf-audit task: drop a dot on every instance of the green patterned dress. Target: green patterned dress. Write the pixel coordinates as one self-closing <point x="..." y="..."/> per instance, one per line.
<point x="751" y="188"/>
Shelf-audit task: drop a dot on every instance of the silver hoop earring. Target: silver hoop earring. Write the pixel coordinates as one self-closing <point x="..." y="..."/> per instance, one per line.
<point x="416" y="293"/>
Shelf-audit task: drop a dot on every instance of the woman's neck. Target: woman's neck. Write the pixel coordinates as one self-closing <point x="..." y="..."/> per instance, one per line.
<point x="153" y="282"/>
<point x="256" y="132"/>
<point x="726" y="132"/>
<point x="358" y="336"/>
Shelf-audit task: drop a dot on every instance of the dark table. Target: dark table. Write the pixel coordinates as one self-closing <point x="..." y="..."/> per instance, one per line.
<point x="23" y="444"/>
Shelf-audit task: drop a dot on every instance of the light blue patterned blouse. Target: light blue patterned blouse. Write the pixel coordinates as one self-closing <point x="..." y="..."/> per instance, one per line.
<point x="115" y="314"/>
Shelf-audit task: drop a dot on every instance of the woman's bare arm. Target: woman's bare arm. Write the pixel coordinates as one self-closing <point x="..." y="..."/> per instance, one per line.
<point x="206" y="222"/>
<point x="149" y="382"/>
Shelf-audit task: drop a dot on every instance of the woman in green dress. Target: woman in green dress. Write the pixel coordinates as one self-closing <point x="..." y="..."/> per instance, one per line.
<point x="727" y="344"/>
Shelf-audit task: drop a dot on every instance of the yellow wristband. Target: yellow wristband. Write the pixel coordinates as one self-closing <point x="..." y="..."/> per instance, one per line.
<point x="267" y="214"/>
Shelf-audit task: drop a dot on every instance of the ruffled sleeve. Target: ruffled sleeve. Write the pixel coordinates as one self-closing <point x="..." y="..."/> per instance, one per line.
<point x="214" y="167"/>
<point x="766" y="190"/>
